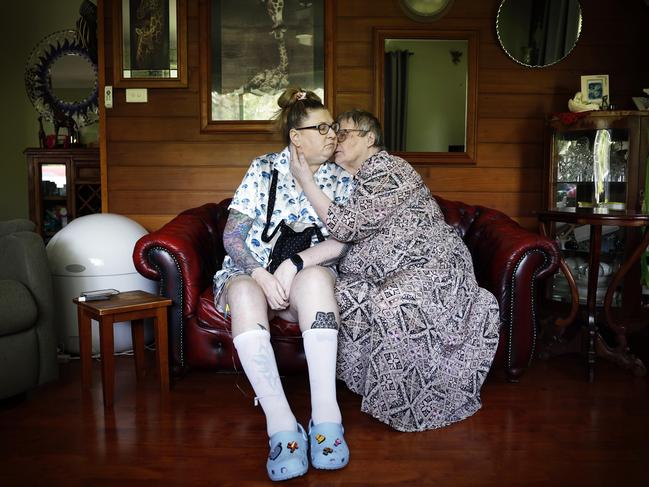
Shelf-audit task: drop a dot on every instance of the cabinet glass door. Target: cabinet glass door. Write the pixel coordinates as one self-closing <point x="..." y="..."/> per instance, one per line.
<point x="591" y="168"/>
<point x="54" y="199"/>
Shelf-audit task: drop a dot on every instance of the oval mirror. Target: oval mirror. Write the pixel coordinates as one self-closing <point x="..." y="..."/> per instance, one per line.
<point x="538" y="33"/>
<point x="61" y="79"/>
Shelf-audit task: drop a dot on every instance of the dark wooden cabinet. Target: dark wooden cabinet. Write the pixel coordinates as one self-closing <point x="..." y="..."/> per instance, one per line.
<point x="63" y="184"/>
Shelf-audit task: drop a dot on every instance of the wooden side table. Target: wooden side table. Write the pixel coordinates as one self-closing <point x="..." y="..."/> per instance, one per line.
<point x="133" y="306"/>
<point x="596" y="218"/>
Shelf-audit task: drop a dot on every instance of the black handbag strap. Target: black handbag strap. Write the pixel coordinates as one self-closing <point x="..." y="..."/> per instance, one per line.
<point x="271" y="207"/>
<point x="318" y="233"/>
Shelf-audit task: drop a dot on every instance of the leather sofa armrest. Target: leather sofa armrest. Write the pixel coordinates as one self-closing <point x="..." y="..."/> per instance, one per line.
<point x="183" y="256"/>
<point x="508" y="261"/>
<point x="498" y="245"/>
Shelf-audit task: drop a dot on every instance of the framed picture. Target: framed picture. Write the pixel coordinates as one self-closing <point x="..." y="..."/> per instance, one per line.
<point x="150" y="43"/>
<point x="594" y="88"/>
<point x="255" y="51"/>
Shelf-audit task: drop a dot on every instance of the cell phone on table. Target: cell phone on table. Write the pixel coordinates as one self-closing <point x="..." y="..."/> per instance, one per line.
<point x="98" y="295"/>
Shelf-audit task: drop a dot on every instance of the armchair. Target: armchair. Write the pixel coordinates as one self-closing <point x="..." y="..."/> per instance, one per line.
<point x="27" y="337"/>
<point x="185" y="253"/>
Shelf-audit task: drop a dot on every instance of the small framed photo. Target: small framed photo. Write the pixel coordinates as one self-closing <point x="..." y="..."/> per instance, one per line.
<point x="594" y="88"/>
<point x="151" y="43"/>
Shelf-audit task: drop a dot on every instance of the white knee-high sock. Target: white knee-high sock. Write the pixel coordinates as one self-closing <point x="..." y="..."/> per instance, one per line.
<point x="258" y="361"/>
<point x="321" y="349"/>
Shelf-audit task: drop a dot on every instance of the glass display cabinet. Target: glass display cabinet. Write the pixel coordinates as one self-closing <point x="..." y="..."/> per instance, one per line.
<point x="596" y="169"/>
<point x="63" y="184"/>
<point x="596" y="160"/>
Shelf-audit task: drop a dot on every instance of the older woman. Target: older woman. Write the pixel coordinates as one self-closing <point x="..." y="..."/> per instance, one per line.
<point x="417" y="334"/>
<point x="253" y="295"/>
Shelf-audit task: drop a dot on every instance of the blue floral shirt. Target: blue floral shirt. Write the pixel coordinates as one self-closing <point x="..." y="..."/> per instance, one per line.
<point x="251" y="199"/>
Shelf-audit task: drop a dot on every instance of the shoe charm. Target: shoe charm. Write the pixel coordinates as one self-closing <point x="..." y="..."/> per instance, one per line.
<point x="337" y="442"/>
<point x="292" y="445"/>
<point x="275" y="451"/>
<point x="320" y="438"/>
<point x="327" y="451"/>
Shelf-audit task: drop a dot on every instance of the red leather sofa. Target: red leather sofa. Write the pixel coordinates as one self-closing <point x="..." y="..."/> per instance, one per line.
<point x="184" y="254"/>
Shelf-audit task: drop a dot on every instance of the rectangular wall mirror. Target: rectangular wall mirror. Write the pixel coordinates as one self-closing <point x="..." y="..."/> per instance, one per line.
<point x="426" y="84"/>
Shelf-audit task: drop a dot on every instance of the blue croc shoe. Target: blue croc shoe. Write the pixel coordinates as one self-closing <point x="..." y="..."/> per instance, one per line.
<point x="287" y="457"/>
<point x="327" y="446"/>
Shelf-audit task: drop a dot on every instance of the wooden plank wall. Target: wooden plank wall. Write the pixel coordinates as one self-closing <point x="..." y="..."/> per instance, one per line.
<point x="158" y="162"/>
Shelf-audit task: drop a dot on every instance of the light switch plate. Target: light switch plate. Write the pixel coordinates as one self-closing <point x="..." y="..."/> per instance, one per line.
<point x="108" y="96"/>
<point x="136" y="95"/>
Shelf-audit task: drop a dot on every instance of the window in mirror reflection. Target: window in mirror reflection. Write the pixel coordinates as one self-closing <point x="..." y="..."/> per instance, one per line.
<point x="425" y="95"/>
<point x="260" y="48"/>
<point x="538" y="32"/>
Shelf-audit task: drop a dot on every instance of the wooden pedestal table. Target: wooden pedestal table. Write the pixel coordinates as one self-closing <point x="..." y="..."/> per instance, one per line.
<point x="596" y="218"/>
<point x="133" y="306"/>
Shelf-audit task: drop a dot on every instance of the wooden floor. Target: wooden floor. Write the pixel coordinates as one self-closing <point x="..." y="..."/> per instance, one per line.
<point x="551" y="429"/>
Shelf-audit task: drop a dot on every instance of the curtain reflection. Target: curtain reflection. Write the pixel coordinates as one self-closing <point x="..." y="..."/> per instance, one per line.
<point x="555" y="28"/>
<point x="395" y="91"/>
<point x="539" y="32"/>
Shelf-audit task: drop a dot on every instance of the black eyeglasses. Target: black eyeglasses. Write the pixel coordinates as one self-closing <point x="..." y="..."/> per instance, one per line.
<point x="343" y="133"/>
<point x="322" y="128"/>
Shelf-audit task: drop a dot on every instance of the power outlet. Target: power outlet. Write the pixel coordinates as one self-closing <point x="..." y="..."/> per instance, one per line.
<point x="136" y="95"/>
<point x="108" y="96"/>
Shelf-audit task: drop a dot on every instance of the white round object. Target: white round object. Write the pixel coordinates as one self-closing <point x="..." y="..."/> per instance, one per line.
<point x="90" y="253"/>
<point x="95" y="245"/>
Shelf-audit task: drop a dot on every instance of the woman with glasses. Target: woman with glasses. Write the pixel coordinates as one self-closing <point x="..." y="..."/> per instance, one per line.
<point x="417" y="334"/>
<point x="251" y="295"/>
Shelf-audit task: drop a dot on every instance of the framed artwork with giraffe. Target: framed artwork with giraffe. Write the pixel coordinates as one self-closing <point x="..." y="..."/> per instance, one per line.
<point x="150" y="43"/>
<point x="255" y="49"/>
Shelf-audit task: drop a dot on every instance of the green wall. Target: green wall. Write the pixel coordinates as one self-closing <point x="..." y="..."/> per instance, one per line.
<point x="22" y="25"/>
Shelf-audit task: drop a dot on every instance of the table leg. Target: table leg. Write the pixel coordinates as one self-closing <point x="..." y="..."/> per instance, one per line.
<point x="107" y="358"/>
<point x="561" y="323"/>
<point x="621" y="354"/>
<point x="591" y="299"/>
<point x="162" y="353"/>
<point x="137" y="334"/>
<point x="85" y="346"/>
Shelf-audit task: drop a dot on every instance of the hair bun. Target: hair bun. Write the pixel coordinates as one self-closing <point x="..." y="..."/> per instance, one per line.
<point x="290" y="97"/>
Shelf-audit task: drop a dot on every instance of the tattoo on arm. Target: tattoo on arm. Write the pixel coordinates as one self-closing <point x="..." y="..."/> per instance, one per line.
<point x="336" y="258"/>
<point x="234" y="241"/>
<point x="325" y="320"/>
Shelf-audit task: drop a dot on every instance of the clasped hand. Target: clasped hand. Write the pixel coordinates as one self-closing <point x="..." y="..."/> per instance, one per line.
<point x="276" y="287"/>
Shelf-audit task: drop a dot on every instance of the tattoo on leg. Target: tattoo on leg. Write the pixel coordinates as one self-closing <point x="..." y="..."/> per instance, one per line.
<point x="262" y="326"/>
<point x="325" y="320"/>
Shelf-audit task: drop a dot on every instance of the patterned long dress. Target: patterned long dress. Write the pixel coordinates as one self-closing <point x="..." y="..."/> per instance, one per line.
<point x="418" y="335"/>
